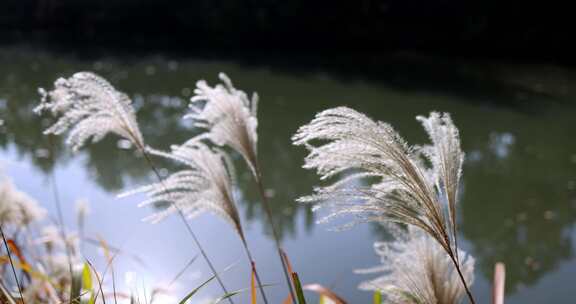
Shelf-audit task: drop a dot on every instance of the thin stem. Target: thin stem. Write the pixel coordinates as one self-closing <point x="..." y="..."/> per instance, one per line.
<point x="268" y="212"/>
<point x="113" y="281"/>
<point x="188" y="227"/>
<point x="456" y="264"/>
<point x="59" y="213"/>
<point x="455" y="239"/>
<point x="253" y="265"/>
<point x="452" y="215"/>
<point x="11" y="262"/>
<point x="61" y="223"/>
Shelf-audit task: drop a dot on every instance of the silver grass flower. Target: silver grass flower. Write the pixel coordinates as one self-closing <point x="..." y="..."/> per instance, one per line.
<point x="205" y="185"/>
<point x="416" y="270"/>
<point x="229" y="116"/>
<point x="16" y="207"/>
<point x="343" y="141"/>
<point x="88" y="106"/>
<point x="412" y="185"/>
<point x="446" y="158"/>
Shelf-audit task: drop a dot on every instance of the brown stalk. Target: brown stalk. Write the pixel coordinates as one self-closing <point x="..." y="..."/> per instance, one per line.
<point x="457" y="265"/>
<point x="499" y="283"/>
<point x="253" y="268"/>
<point x="268" y="211"/>
<point x="11" y="263"/>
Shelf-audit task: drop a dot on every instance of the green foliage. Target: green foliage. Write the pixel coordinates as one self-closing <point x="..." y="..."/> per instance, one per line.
<point x="298" y="288"/>
<point x="195" y="290"/>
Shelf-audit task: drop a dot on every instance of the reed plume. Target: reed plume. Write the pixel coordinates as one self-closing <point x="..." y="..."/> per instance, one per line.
<point x="17" y="209"/>
<point x="417" y="270"/>
<point x="229" y="118"/>
<point x="89" y="107"/>
<point x="205" y="185"/>
<point x="351" y="148"/>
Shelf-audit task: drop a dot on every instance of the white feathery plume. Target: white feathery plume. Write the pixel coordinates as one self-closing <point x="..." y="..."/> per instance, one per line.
<point x="16" y="207"/>
<point x="204" y="186"/>
<point x="88" y="106"/>
<point x="446" y="158"/>
<point x="417" y="270"/>
<point x="229" y="117"/>
<point x="344" y="142"/>
<point x="348" y="142"/>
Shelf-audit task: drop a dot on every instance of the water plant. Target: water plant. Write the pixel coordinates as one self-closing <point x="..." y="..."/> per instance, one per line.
<point x="230" y="119"/>
<point x="415" y="269"/>
<point x="415" y="185"/>
<point x="376" y="177"/>
<point x="89" y="107"/>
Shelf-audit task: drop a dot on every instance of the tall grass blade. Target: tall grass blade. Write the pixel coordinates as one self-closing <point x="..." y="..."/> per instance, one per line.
<point x="110" y="260"/>
<point x="87" y="284"/>
<point x="298" y="289"/>
<point x="252" y="287"/>
<point x="288" y="266"/>
<point x="23" y="263"/>
<point x="377" y="298"/>
<point x="11" y="263"/>
<point x="99" y="280"/>
<point x="195" y="290"/>
<point x="234" y="293"/>
<point x="183" y="270"/>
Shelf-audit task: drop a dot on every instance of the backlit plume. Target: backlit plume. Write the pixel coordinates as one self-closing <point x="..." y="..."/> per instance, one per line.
<point x="229" y="117"/>
<point x="88" y="107"/>
<point x="344" y="142"/>
<point x="415" y="269"/>
<point x="379" y="177"/>
<point x="205" y="184"/>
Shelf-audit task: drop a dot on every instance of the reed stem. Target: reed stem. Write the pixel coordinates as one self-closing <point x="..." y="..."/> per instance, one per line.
<point x="188" y="227"/>
<point x="457" y="265"/>
<point x="11" y="263"/>
<point x="59" y="213"/>
<point x="268" y="212"/>
<point x="253" y="266"/>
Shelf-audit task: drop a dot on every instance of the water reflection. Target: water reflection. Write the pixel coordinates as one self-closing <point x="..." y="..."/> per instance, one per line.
<point x="519" y="196"/>
<point x="517" y="214"/>
<point x="160" y="117"/>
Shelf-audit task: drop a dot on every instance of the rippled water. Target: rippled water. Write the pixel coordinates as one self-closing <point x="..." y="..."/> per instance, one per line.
<point x="519" y="191"/>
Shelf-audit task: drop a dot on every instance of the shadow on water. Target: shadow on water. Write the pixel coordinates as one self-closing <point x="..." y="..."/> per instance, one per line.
<point x="518" y="203"/>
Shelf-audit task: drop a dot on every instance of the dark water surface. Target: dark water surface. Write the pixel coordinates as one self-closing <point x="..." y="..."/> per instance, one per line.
<point x="518" y="128"/>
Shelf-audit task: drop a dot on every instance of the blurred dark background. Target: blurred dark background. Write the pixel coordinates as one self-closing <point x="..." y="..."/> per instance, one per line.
<point x="496" y="30"/>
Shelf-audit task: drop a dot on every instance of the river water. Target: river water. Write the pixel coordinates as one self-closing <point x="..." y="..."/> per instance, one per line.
<point x="518" y="129"/>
